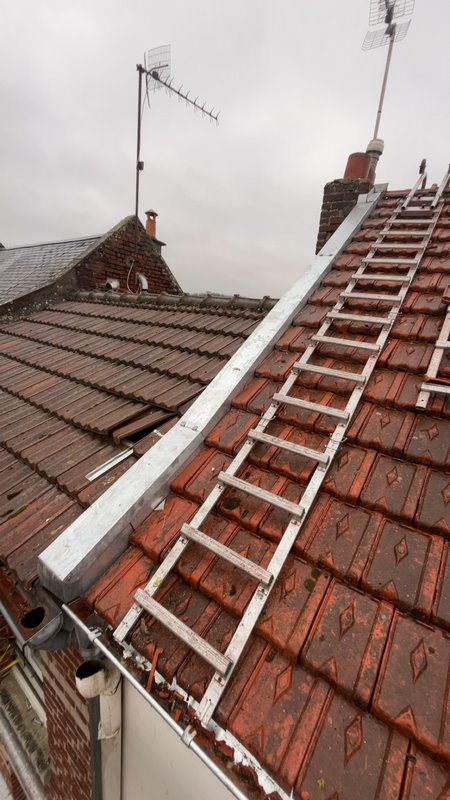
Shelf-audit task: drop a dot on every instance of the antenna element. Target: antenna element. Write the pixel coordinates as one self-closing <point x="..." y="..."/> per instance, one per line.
<point x="157" y="75"/>
<point x="386" y="11"/>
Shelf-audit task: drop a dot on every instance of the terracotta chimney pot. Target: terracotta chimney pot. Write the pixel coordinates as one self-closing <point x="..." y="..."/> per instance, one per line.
<point x="358" y="167"/>
<point x="150" y="225"/>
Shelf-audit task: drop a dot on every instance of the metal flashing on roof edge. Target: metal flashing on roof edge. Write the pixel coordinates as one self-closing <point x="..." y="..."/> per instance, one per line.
<point x="70" y="565"/>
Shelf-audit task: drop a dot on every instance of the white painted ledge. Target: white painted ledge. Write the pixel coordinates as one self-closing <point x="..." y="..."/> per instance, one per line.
<point x="77" y="558"/>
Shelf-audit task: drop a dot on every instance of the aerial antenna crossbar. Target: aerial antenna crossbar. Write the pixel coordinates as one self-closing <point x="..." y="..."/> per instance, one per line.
<point x="156" y="69"/>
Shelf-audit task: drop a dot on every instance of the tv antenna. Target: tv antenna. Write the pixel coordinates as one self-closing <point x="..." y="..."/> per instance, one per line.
<point x="156" y="70"/>
<point x="387" y="11"/>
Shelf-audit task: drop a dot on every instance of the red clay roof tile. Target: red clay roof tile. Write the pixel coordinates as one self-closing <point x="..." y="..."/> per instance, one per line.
<point x="348" y="752"/>
<point x="339" y="537"/>
<point x="434" y="508"/>
<point x="347" y="640"/>
<point x="272" y="706"/>
<point x="412" y="687"/>
<point x="441" y="605"/>
<point x="394" y="487"/>
<point x="403" y="567"/>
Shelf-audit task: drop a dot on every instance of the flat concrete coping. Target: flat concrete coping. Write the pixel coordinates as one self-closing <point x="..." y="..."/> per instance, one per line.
<point x="82" y="553"/>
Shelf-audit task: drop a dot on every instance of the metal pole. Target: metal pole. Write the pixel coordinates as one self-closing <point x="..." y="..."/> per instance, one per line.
<point x="383" y="88"/>
<point x="140" y="70"/>
<point x="20" y="762"/>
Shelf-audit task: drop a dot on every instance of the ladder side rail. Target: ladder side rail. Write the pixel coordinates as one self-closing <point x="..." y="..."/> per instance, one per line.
<point x="420" y="180"/>
<point x="435" y="362"/>
<point x="442" y="188"/>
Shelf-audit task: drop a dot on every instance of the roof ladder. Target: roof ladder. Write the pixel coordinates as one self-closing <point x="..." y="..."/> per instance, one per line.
<point x="432" y="382"/>
<point x="224" y="663"/>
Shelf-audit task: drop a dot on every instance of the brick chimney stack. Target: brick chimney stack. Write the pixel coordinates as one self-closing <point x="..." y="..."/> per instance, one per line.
<point x="341" y="195"/>
<point x="150" y="225"/>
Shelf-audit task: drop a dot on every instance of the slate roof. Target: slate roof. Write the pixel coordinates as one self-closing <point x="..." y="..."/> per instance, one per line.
<point x="25" y="269"/>
<point x="85" y="380"/>
<point x="343" y="689"/>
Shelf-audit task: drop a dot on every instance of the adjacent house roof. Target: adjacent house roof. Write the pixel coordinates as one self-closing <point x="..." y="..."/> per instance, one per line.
<point x="343" y="689"/>
<point x="87" y="381"/>
<point x="34" y="273"/>
<point x="25" y="269"/>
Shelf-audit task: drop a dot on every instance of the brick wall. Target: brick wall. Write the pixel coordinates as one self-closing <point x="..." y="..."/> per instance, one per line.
<point x="68" y="727"/>
<point x="339" y="197"/>
<point x="110" y="259"/>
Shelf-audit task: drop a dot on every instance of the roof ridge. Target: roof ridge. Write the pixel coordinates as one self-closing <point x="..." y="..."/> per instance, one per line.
<point x="187" y="299"/>
<point x="56" y="241"/>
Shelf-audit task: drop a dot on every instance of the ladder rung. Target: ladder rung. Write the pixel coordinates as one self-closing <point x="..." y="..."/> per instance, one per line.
<point x="262" y="494"/>
<point x="399" y="246"/>
<point x="389" y="298"/>
<point x="398" y="261"/>
<point x="358" y="318"/>
<point x="336" y="373"/>
<point x="257" y="572"/>
<point x="380" y="277"/>
<point x="439" y="388"/>
<point x="309" y="406"/>
<point x="298" y="449"/>
<point x="443" y="345"/>
<point x="347" y="342"/>
<point x="411" y="221"/>
<point x="220" y="662"/>
<point x="388" y="232"/>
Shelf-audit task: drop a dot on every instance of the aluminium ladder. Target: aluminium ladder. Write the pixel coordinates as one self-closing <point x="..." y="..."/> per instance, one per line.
<point x="428" y="210"/>
<point x="433" y="383"/>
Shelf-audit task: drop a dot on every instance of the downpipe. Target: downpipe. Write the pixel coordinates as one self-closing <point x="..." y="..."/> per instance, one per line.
<point x="98" y="678"/>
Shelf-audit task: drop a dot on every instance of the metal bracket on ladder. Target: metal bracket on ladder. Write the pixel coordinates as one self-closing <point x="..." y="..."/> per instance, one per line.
<point x="224" y="663"/>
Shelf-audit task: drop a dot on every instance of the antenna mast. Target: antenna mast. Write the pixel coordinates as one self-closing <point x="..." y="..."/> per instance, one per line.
<point x="157" y="75"/>
<point x="386" y="11"/>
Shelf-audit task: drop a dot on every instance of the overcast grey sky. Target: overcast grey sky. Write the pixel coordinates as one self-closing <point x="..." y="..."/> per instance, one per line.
<point x="238" y="203"/>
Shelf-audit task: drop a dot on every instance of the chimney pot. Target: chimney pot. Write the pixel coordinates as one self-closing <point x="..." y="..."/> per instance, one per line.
<point x="150" y="225"/>
<point x="358" y="167"/>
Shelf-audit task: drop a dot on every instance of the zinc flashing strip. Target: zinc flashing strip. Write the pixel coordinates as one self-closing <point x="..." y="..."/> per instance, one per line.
<point x="77" y="558"/>
<point x="112" y="462"/>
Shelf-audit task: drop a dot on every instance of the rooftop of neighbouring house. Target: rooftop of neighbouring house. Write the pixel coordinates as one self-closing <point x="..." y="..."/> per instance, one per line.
<point x="127" y="256"/>
<point x="25" y="269"/>
<point x="343" y="688"/>
<point x="96" y="378"/>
